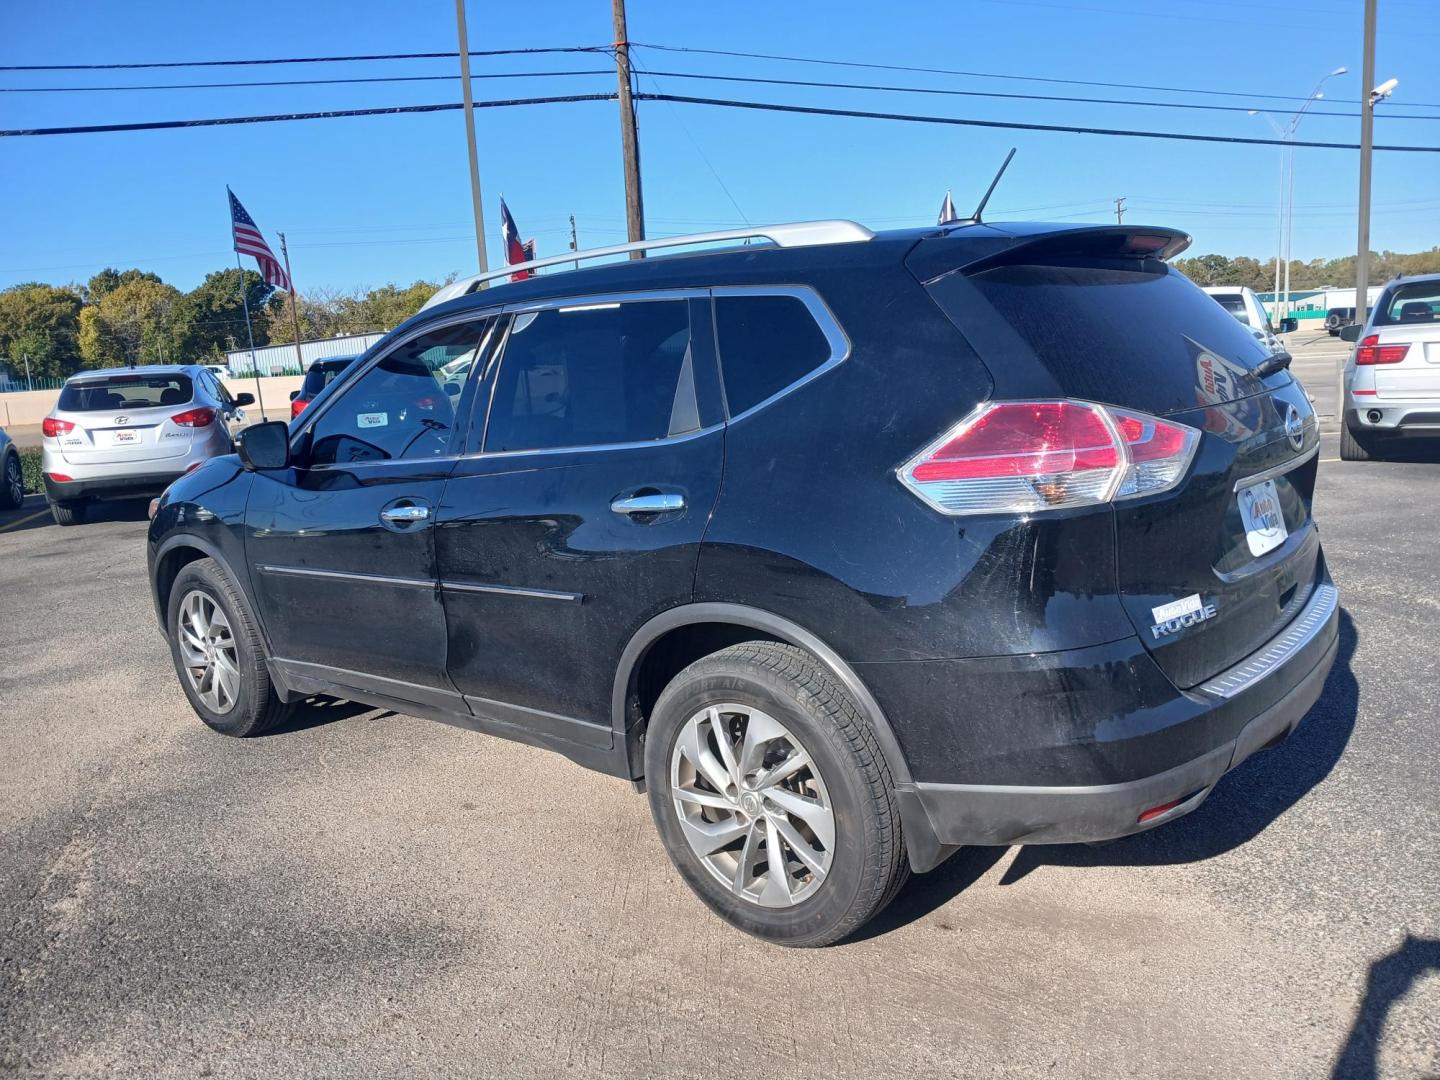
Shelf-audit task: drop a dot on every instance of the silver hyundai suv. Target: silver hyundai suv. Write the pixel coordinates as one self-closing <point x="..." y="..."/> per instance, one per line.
<point x="1392" y="379"/>
<point x="126" y="432"/>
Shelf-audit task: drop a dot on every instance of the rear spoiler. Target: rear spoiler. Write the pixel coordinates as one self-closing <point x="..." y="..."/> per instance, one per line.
<point x="1067" y="242"/>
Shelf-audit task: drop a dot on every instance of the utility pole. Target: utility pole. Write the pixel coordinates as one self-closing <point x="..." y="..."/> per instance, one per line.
<point x="1367" y="139"/>
<point x="294" y="305"/>
<point x="629" y="141"/>
<point x="470" y="138"/>
<point x="1120" y="210"/>
<point x="29" y="385"/>
<point x="574" y="240"/>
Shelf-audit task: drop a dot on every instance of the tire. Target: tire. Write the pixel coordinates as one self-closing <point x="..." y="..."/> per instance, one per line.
<point x="237" y="698"/>
<point x="1354" y="447"/>
<point x="71" y="512"/>
<point x="12" y="483"/>
<point x="756" y="687"/>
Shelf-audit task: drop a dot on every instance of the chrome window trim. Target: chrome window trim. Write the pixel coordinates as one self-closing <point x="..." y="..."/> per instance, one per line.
<point x="345" y="575"/>
<point x="513" y="590"/>
<point x="1298" y="634"/>
<point x="578" y="300"/>
<point x="1277" y="470"/>
<point x="668" y="440"/>
<point x="835" y="336"/>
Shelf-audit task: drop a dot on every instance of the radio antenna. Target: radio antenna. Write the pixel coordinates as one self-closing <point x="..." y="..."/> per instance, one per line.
<point x="974" y="218"/>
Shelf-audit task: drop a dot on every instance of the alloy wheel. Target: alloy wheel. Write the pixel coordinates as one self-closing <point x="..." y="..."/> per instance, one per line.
<point x="208" y="651"/>
<point x="14" y="480"/>
<point x="752" y="805"/>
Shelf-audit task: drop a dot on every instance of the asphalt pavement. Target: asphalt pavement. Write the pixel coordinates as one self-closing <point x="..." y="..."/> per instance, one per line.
<point x="367" y="894"/>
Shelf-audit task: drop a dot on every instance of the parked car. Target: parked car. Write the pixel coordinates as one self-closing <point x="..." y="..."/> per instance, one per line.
<point x="220" y="371"/>
<point x="849" y="549"/>
<point x="1337" y="318"/>
<point x="125" y="432"/>
<point x="1392" y="378"/>
<point x="320" y="375"/>
<point x="12" y="476"/>
<point x="1242" y="303"/>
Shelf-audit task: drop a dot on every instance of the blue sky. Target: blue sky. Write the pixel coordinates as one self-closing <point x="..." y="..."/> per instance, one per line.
<point x="370" y="200"/>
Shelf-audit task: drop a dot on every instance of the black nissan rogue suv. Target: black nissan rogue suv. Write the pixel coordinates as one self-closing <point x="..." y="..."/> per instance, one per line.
<point x="849" y="548"/>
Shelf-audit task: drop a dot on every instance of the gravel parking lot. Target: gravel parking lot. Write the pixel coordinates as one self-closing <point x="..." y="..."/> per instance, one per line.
<point x="369" y="894"/>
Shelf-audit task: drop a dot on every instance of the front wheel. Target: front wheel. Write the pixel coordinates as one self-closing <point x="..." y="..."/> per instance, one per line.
<point x="218" y="653"/>
<point x="772" y="796"/>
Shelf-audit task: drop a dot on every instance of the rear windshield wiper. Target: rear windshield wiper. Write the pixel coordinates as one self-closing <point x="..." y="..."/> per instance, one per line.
<point x="1271" y="364"/>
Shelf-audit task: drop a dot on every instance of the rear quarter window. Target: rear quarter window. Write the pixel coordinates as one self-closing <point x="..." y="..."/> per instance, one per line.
<point x="767" y="343"/>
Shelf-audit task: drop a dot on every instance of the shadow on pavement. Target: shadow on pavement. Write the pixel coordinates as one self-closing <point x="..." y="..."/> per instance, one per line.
<point x="318" y="711"/>
<point x="1390" y="979"/>
<point x="1243" y="804"/>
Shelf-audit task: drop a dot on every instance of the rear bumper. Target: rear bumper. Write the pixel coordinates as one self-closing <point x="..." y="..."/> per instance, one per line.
<point x="1191" y="741"/>
<point x="1417" y="419"/>
<point x="110" y="487"/>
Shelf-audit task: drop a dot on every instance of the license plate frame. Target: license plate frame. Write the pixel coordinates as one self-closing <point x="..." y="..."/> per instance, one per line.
<point x="1262" y="517"/>
<point x="126" y="437"/>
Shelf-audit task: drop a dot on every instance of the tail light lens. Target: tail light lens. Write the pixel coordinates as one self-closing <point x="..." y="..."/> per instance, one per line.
<point x="58" y="477"/>
<point x="297" y="406"/>
<point x="1028" y="456"/>
<point x="201" y="417"/>
<point x="1370" y="351"/>
<point x="52" y="428"/>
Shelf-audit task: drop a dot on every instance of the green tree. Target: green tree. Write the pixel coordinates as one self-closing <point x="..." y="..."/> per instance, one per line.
<point x="109" y="279"/>
<point x="217" y="312"/>
<point x="40" y="322"/>
<point x="141" y="321"/>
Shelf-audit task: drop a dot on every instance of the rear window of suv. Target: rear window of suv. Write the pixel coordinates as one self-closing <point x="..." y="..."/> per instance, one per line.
<point x="125" y="392"/>
<point x="1407" y="305"/>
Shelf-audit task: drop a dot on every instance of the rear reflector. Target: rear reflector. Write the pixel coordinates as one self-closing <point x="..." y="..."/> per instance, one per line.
<point x="1156" y="811"/>
<point x="1365" y="393"/>
<point x="1370" y="351"/>
<point x="52" y="428"/>
<point x="59" y="477"/>
<point x="201" y="417"/>
<point x="1028" y="456"/>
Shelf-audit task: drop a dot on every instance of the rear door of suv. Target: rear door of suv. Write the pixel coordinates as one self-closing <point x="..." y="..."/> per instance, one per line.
<point x="1398" y="357"/>
<point x="579" y="513"/>
<point x="137" y="419"/>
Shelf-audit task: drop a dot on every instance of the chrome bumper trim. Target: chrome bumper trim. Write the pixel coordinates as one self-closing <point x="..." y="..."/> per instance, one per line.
<point x="1245" y="674"/>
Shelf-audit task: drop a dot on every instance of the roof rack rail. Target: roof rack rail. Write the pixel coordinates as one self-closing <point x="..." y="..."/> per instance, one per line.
<point x="792" y="234"/>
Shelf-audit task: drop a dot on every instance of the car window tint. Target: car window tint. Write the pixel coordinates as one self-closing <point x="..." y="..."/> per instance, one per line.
<point x="766" y="343"/>
<point x="403" y="407"/>
<point x="1410" y="304"/>
<point x="592" y="374"/>
<point x="126" y="392"/>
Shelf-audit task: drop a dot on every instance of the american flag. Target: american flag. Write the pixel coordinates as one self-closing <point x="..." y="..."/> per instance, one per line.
<point x="515" y="251"/>
<point x="249" y="241"/>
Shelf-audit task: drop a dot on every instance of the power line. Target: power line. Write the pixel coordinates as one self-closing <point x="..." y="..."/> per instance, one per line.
<point x="448" y="55"/>
<point x="158" y="125"/>
<point x="982" y="74"/>
<point x="1013" y="125"/>
<point x="300" y="82"/>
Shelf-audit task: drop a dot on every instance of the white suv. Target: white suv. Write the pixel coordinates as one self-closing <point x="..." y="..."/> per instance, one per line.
<point x="1392" y="379"/>
<point x="1241" y="301"/>
<point x="126" y="432"/>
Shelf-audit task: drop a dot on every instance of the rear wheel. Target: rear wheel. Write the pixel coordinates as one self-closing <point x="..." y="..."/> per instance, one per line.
<point x="70" y="512"/>
<point x="12" y="484"/>
<point x="1354" y="447"/>
<point x="218" y="654"/>
<point x="772" y="796"/>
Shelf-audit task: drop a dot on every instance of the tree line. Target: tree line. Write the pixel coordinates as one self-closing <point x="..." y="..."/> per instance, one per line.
<point x="1259" y="274"/>
<point x="122" y="317"/>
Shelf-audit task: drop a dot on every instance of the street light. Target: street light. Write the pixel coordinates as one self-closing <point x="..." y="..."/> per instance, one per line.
<point x="1286" y="133"/>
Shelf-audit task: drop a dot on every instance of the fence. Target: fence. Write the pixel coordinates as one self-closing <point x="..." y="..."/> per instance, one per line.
<point x="18" y="386"/>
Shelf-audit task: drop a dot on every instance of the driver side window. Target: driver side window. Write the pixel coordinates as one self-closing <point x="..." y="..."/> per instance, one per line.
<point x="404" y="406"/>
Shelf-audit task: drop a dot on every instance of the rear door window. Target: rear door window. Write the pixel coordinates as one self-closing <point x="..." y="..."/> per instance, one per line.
<point x="767" y="343"/>
<point x="594" y="375"/>
<point x="126" y="392"/>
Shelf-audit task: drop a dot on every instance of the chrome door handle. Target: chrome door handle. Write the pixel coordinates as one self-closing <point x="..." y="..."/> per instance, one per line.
<point x="405" y="515"/>
<point x="649" y="504"/>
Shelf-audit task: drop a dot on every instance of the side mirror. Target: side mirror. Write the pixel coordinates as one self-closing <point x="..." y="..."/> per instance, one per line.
<point x="1351" y="332"/>
<point x="1289" y="325"/>
<point x="264" y="446"/>
<point x="244" y="399"/>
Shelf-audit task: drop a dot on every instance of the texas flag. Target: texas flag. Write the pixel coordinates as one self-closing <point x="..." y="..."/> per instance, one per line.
<point x="515" y="251"/>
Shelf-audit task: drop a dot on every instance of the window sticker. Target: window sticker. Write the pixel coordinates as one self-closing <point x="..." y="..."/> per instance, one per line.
<point x="372" y="420"/>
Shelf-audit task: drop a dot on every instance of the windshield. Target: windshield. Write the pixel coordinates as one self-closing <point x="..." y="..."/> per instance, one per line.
<point x="125" y="392"/>
<point x="1406" y="305"/>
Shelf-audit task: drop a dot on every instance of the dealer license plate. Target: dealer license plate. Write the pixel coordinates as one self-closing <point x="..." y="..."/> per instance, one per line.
<point x="1260" y="512"/>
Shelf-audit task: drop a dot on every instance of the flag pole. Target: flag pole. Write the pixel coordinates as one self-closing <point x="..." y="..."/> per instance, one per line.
<point x="249" y="334"/>
<point x="294" y="304"/>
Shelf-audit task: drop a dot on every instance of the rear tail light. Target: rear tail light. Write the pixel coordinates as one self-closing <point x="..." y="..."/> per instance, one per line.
<point x="52" y="428"/>
<point x="1370" y="351"/>
<point x="1028" y="456"/>
<point x="201" y="417"/>
<point x="59" y="477"/>
<point x="297" y="406"/>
